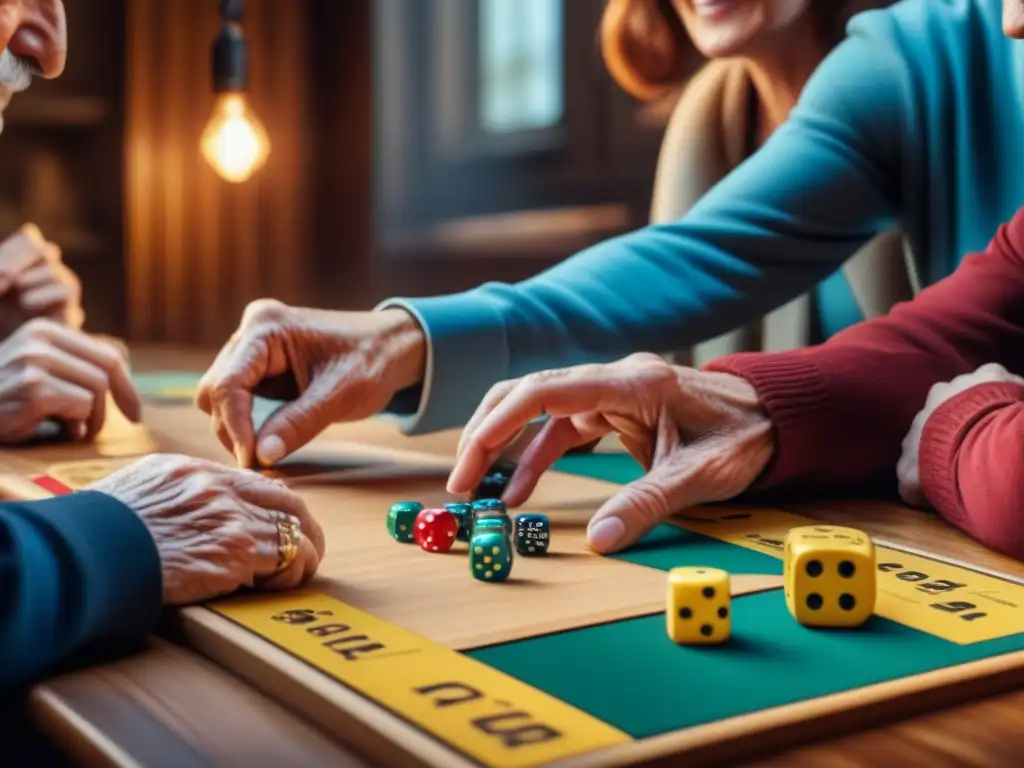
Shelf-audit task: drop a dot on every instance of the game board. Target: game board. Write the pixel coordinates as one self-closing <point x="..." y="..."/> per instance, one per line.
<point x="404" y="655"/>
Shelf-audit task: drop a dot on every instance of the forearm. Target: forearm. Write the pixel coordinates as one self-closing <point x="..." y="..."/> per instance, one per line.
<point x="970" y="460"/>
<point x="76" y="572"/>
<point x="841" y="410"/>
<point x="782" y="221"/>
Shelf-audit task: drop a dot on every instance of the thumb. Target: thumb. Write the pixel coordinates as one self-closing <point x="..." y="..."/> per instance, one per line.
<point x="294" y="424"/>
<point x="641" y="505"/>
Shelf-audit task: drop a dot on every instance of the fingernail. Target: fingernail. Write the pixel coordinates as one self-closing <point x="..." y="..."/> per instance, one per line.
<point x="271" y="449"/>
<point x="605" y="534"/>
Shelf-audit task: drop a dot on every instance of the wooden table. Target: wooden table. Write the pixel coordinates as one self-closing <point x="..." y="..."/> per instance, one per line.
<point x="105" y="712"/>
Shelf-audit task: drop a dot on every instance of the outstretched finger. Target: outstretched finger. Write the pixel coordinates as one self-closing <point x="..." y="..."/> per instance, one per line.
<point x="565" y="392"/>
<point x="297" y="422"/>
<point x="558" y="436"/>
<point x="19" y="253"/>
<point x="490" y="401"/>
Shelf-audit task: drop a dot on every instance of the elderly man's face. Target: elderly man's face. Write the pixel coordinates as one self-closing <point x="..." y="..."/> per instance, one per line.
<point x="33" y="41"/>
<point x="1013" y="18"/>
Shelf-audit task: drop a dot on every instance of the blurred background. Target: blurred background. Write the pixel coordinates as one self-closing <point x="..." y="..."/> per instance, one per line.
<point x="415" y="147"/>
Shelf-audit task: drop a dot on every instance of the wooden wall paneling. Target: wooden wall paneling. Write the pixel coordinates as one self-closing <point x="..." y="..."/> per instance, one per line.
<point x="342" y="172"/>
<point x="198" y="249"/>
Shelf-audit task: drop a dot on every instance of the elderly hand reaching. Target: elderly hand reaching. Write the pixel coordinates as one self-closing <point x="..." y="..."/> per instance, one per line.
<point x="702" y="437"/>
<point x="217" y="528"/>
<point x="329" y="367"/>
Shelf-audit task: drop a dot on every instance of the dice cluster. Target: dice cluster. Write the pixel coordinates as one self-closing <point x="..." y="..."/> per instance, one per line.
<point x="485" y="525"/>
<point x="829" y="575"/>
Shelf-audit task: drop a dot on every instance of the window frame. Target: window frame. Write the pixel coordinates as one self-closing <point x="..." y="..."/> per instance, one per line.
<point x="587" y="159"/>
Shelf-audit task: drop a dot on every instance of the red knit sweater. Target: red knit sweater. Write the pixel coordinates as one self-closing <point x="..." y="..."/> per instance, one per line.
<point x="841" y="409"/>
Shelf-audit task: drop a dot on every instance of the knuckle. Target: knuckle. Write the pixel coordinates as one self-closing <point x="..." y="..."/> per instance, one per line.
<point x="264" y="310"/>
<point x="499" y="391"/>
<point x="645" y="358"/>
<point x="39" y="328"/>
<point x="649" y="500"/>
<point x="32" y="379"/>
<point x="540" y="379"/>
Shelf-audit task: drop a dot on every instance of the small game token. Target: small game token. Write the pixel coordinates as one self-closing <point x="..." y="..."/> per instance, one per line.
<point x="489" y="505"/>
<point x="532" y="534"/>
<point x="435" y="530"/>
<point x="464" y="515"/>
<point x="495" y="481"/>
<point x="490" y="556"/>
<point x="499" y="515"/>
<point x="491" y="524"/>
<point x="401" y="518"/>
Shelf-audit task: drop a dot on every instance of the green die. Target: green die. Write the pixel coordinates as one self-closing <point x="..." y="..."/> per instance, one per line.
<point x="489" y="505"/>
<point x="490" y="524"/>
<point x="401" y="518"/>
<point x="490" y="556"/>
<point x="495" y="518"/>
<point x="463" y="513"/>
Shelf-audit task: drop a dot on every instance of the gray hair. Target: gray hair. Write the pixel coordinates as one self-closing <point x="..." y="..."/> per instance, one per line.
<point x="16" y="72"/>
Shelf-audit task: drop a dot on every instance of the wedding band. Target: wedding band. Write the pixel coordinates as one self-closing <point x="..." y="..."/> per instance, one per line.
<point x="289" y="537"/>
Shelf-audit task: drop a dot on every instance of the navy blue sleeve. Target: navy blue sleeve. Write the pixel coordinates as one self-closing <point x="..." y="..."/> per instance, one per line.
<point x="77" y="573"/>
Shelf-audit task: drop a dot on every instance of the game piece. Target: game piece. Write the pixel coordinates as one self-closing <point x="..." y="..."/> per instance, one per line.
<point x="506" y="521"/>
<point x="533" y="534"/>
<point x="698" y="604"/>
<point x="401" y="518"/>
<point x="464" y="515"/>
<point x="495" y="481"/>
<point x="491" y="524"/>
<point x="490" y="556"/>
<point x="435" y="530"/>
<point x="829" y="575"/>
<point x="489" y="505"/>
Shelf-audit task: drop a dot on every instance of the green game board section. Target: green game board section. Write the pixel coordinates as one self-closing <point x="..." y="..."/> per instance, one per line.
<point x="169" y="385"/>
<point x="630" y="675"/>
<point x="667" y="546"/>
<point x="610" y="467"/>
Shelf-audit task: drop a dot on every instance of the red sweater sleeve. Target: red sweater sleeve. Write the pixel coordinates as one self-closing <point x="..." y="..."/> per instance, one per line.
<point x="841" y="409"/>
<point x="970" y="461"/>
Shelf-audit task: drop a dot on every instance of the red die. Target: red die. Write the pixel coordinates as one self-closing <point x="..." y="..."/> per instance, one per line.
<point x="435" y="530"/>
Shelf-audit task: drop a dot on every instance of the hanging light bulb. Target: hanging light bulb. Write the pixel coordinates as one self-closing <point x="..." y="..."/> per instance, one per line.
<point x="234" y="142"/>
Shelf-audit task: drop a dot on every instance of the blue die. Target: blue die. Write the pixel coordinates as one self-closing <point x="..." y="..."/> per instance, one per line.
<point x="532" y="534"/>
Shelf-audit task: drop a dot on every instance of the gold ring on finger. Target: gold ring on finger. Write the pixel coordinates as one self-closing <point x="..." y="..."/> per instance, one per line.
<point x="289" y="537"/>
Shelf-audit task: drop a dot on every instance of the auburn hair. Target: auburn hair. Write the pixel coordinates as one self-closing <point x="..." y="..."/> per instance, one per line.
<point x="649" y="54"/>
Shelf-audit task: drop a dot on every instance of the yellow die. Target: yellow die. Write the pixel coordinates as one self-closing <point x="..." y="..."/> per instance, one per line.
<point x="830" y="575"/>
<point x="697" y="606"/>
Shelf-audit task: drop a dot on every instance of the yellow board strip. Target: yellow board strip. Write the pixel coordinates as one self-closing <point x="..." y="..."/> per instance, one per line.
<point x="942" y="599"/>
<point x="491" y="717"/>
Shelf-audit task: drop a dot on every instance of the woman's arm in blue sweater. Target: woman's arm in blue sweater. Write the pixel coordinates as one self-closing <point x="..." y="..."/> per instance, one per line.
<point x="825" y="183"/>
<point x="77" y="573"/>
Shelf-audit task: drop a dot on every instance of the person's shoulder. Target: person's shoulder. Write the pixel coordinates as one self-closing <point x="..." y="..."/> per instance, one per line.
<point x="930" y="28"/>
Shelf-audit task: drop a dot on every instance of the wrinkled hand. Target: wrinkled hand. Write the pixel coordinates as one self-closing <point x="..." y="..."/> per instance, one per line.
<point x="35" y="282"/>
<point x="330" y="366"/>
<point x="907" y="470"/>
<point x="49" y="371"/>
<point x="215" y="527"/>
<point x="702" y="437"/>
